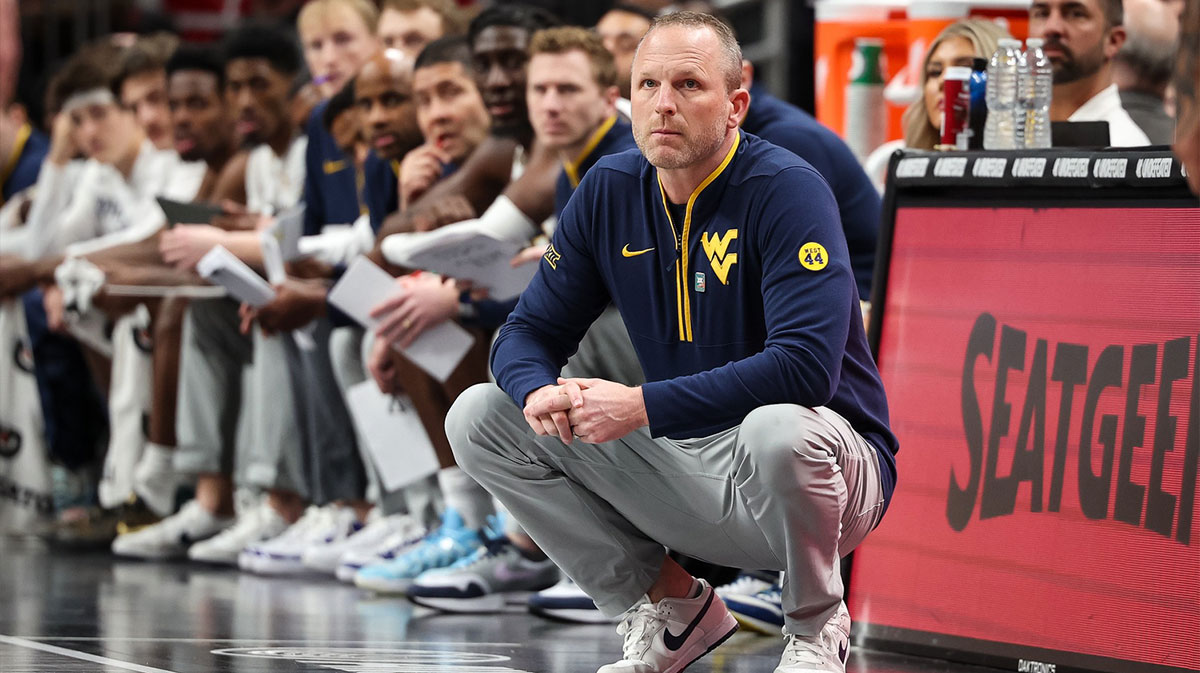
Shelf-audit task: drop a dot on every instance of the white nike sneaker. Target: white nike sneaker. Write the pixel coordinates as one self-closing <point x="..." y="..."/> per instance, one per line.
<point x="668" y="636"/>
<point x="171" y="537"/>
<point x="827" y="653"/>
<point x="255" y="524"/>
<point x="324" y="558"/>
<point x="404" y="532"/>
<point x="283" y="555"/>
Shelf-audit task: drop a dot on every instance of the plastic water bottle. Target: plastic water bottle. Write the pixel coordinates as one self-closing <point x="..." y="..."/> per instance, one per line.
<point x="1024" y="99"/>
<point x="1037" y="86"/>
<point x="1002" y="73"/>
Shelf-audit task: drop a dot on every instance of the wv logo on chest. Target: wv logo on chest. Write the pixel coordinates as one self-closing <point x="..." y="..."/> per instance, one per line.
<point x="716" y="249"/>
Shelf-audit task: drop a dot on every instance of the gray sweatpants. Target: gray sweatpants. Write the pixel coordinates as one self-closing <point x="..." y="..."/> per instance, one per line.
<point x="605" y="352"/>
<point x="791" y="488"/>
<point x="237" y="406"/>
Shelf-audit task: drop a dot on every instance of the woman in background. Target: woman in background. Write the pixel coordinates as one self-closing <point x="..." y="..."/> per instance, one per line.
<point x="957" y="45"/>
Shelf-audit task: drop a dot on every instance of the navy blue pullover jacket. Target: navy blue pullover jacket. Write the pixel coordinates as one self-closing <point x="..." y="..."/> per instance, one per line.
<point x="794" y="129"/>
<point x="762" y="308"/>
<point x="330" y="183"/>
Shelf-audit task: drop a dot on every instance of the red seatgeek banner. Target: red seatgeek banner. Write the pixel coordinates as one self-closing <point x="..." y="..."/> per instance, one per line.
<point x="1042" y="375"/>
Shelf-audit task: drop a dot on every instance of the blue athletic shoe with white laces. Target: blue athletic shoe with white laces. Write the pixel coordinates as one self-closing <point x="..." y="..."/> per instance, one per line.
<point x="762" y="612"/>
<point x="448" y="543"/>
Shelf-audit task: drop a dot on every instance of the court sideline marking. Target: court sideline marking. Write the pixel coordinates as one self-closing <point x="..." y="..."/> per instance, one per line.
<point x="82" y="656"/>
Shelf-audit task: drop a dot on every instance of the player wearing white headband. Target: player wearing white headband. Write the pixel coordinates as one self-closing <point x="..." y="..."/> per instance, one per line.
<point x="110" y="193"/>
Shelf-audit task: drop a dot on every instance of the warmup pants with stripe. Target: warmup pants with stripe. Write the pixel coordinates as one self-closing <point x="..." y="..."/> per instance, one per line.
<point x="791" y="488"/>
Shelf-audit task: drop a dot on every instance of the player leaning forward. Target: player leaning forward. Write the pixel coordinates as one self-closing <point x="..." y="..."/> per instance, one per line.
<point x="761" y="440"/>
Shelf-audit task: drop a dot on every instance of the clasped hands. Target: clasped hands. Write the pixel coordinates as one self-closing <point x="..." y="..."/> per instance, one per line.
<point x="593" y="410"/>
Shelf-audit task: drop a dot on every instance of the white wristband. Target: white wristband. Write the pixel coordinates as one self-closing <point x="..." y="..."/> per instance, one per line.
<point x="502" y="220"/>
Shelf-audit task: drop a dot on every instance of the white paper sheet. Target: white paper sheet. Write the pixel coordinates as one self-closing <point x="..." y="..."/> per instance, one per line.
<point x="221" y="267"/>
<point x="364" y="286"/>
<point x="396" y="440"/>
<point x="466" y="251"/>
<point x="272" y="259"/>
<point x="287" y="230"/>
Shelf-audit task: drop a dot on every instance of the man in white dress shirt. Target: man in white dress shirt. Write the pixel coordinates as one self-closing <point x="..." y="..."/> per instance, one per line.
<point x="1082" y="37"/>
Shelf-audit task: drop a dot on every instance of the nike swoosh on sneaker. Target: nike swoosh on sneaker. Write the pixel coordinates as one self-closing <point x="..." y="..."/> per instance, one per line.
<point x="844" y="652"/>
<point x="674" y="642"/>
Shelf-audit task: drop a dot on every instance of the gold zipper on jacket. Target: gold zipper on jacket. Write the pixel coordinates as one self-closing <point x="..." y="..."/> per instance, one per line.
<point x="683" y="302"/>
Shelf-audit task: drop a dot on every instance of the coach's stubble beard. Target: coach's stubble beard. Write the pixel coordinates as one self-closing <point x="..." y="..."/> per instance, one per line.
<point x="698" y="145"/>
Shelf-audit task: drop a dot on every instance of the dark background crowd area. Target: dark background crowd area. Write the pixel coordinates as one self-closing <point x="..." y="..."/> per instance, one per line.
<point x="51" y="30"/>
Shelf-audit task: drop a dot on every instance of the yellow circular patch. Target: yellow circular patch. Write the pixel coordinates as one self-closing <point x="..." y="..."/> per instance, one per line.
<point x="813" y="256"/>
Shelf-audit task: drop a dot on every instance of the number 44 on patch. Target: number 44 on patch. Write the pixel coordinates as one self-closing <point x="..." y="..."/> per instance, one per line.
<point x="813" y="256"/>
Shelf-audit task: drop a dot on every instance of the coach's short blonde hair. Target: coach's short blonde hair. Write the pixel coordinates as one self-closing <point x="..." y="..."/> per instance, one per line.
<point x="731" y="51"/>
